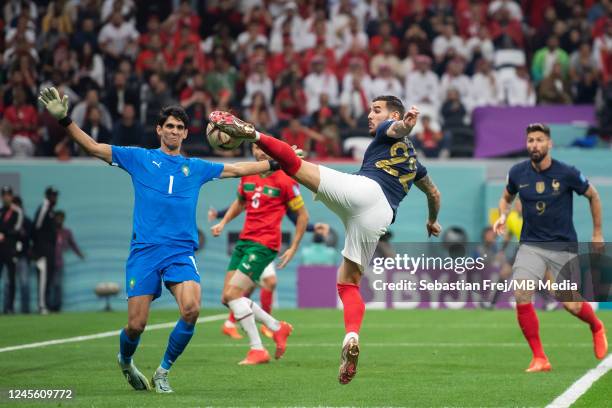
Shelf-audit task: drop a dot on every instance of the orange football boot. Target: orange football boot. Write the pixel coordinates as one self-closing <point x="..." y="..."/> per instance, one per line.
<point x="538" y="364"/>
<point x="231" y="332"/>
<point x="254" y="357"/>
<point x="280" y="338"/>
<point x="600" y="343"/>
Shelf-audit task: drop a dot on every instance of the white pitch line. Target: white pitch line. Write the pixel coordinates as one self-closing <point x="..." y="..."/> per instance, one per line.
<point x="582" y="385"/>
<point x="102" y="335"/>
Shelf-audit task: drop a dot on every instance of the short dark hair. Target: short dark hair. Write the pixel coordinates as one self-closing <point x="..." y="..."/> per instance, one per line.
<point x="538" y="127"/>
<point x="393" y="103"/>
<point x="176" y="111"/>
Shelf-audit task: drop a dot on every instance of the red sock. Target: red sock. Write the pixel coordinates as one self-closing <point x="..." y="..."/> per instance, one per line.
<point x="231" y="317"/>
<point x="586" y="314"/>
<point x="265" y="298"/>
<point x="354" y="308"/>
<point x="281" y="152"/>
<point x="528" y="320"/>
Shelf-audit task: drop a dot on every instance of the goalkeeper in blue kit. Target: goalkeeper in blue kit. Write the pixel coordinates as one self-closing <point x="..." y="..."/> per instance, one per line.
<point x="166" y="188"/>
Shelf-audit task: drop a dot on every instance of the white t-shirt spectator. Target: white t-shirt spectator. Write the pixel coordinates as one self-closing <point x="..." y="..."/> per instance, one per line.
<point x="317" y="84"/>
<point x="484" y="90"/>
<point x="118" y="38"/>
<point x="258" y="83"/>
<point x="442" y="44"/>
<point x="422" y="88"/>
<point x="460" y="82"/>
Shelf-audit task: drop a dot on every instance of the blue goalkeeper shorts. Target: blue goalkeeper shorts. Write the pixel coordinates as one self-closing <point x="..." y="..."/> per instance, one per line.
<point x="150" y="264"/>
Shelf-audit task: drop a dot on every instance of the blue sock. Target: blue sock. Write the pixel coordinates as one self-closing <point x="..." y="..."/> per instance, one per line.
<point x="177" y="342"/>
<point x="127" y="346"/>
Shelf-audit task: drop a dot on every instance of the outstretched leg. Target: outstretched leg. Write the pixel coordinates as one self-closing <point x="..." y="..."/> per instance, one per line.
<point x="304" y="172"/>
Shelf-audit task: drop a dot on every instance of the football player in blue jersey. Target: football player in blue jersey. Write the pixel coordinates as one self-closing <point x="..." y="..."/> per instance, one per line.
<point x="366" y="201"/>
<point x="548" y="240"/>
<point x="166" y="189"/>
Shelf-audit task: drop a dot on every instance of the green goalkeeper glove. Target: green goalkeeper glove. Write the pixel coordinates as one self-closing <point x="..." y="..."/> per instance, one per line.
<point x="57" y="107"/>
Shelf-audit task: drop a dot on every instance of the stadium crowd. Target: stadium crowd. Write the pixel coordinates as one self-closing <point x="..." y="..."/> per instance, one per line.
<point x="303" y="70"/>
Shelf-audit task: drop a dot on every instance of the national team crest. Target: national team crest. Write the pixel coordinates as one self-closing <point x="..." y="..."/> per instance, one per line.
<point x="556" y="185"/>
<point x="185" y="170"/>
<point x="540" y="187"/>
<point x="132" y="283"/>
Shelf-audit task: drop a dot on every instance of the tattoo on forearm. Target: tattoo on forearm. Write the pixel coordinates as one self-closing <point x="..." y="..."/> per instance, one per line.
<point x="433" y="196"/>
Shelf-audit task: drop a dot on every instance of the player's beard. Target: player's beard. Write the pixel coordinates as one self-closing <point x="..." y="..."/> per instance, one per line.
<point x="537" y="156"/>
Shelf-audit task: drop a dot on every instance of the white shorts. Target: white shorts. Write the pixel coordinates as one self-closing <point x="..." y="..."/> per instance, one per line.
<point x="269" y="271"/>
<point x="363" y="208"/>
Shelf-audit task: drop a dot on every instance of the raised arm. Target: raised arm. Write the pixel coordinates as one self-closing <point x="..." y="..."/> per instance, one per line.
<point x="434" y="198"/>
<point x="58" y="108"/>
<point x="403" y="127"/>
<point x="505" y="205"/>
<point x="247" y="168"/>
<point x="595" y="203"/>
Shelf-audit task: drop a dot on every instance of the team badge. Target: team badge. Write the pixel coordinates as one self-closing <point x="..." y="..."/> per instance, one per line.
<point x="540" y="187"/>
<point x="555" y="185"/>
<point x="132" y="283"/>
<point x="185" y="170"/>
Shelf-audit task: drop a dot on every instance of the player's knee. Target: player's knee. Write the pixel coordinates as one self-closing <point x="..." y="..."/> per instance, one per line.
<point x="190" y="312"/>
<point x="522" y="296"/>
<point x="135" y="327"/>
<point x="573" y="307"/>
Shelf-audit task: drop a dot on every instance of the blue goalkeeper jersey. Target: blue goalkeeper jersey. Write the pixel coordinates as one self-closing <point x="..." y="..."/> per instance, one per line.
<point x="392" y="163"/>
<point x="166" y="190"/>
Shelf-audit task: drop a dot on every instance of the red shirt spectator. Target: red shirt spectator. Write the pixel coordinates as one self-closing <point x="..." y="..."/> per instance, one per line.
<point x="22" y="117"/>
<point x="290" y="101"/>
<point x="295" y="135"/>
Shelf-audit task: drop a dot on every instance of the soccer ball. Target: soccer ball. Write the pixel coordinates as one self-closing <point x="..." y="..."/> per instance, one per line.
<point x="219" y="139"/>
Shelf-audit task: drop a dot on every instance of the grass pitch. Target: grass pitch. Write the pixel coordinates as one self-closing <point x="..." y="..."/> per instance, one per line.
<point x="408" y="358"/>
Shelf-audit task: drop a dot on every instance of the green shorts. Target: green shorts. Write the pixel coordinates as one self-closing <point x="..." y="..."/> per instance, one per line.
<point x="251" y="259"/>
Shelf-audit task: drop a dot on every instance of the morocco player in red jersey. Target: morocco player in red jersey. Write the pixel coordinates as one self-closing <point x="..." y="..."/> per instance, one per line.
<point x="265" y="198"/>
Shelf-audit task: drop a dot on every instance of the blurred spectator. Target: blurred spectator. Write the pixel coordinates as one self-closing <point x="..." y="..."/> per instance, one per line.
<point x="352" y="36"/>
<point x="57" y="18"/>
<point x="44" y="238"/>
<point x="516" y="88"/>
<point x="117" y="38"/>
<point x="385" y="33"/>
<point x="23" y="257"/>
<point x="22" y="120"/>
<point x="317" y="82"/>
<point x="221" y="80"/>
<point x="386" y="58"/>
<point x="456" y="79"/>
<point x="355" y="105"/>
<point x="422" y="86"/>
<point x="429" y="141"/>
<point x="554" y="88"/>
<point x="585" y="89"/>
<point x="386" y="83"/>
<point x="298" y="135"/>
<point x="91" y="68"/>
<point x="582" y="60"/>
<point x="290" y="26"/>
<point x="484" y="89"/>
<point x="65" y="241"/>
<point x="152" y="56"/>
<point x="247" y="40"/>
<point x="93" y="126"/>
<point x="448" y="40"/>
<point x="120" y="94"/>
<point x="157" y="96"/>
<point x="453" y="111"/>
<point x="258" y="82"/>
<point x="318" y="253"/>
<point x="92" y="100"/>
<point x="290" y="102"/>
<point x="545" y="58"/>
<point x="260" y="113"/>
<point x="480" y="46"/>
<point x="86" y="34"/>
<point x="128" y="131"/>
<point x="506" y="30"/>
<point x="11" y="222"/>
<point x="279" y="62"/>
<point x="602" y="49"/>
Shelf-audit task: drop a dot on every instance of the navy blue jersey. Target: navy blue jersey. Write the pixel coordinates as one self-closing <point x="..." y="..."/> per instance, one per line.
<point x="547" y="199"/>
<point x="392" y="163"/>
<point x="166" y="190"/>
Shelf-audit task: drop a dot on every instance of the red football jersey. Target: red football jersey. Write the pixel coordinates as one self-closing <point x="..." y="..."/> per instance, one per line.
<point x="267" y="199"/>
